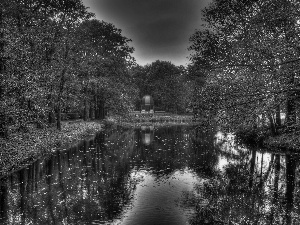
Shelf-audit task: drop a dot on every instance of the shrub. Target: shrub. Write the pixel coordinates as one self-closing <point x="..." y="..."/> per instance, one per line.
<point x="252" y="136"/>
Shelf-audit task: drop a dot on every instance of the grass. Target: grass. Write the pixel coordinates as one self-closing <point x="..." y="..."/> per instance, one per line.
<point x="139" y="119"/>
<point x="22" y="149"/>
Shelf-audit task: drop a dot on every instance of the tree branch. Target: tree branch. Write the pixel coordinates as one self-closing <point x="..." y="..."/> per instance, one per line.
<point x="254" y="65"/>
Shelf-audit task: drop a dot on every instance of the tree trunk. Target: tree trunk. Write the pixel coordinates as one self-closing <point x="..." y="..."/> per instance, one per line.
<point x="60" y="94"/>
<point x="51" y="116"/>
<point x="278" y="117"/>
<point x="91" y="111"/>
<point x="85" y="112"/>
<point x="255" y="121"/>
<point x="62" y="85"/>
<point x="291" y="109"/>
<point x="96" y="112"/>
<point x="291" y="105"/>
<point x="3" y="124"/>
<point x="101" y="109"/>
<point x="272" y="124"/>
<point x="58" y="118"/>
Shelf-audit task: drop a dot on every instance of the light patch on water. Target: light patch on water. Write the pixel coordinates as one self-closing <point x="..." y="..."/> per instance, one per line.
<point x="223" y="162"/>
<point x="155" y="198"/>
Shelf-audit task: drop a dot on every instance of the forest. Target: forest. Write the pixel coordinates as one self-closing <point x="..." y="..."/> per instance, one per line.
<point x="247" y="57"/>
<point x="64" y="158"/>
<point x="58" y="62"/>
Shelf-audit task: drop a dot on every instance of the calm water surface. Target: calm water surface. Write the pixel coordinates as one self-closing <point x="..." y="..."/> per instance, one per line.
<point x="167" y="175"/>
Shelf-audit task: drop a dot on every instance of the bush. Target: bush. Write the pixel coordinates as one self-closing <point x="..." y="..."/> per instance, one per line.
<point x="252" y="136"/>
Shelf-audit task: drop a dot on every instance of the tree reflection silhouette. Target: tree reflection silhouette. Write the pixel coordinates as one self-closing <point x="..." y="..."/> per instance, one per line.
<point x="93" y="182"/>
<point x="3" y="201"/>
<point x="245" y="194"/>
<point x="290" y="186"/>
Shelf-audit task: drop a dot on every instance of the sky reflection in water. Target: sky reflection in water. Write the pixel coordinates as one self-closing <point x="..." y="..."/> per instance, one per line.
<point x="168" y="175"/>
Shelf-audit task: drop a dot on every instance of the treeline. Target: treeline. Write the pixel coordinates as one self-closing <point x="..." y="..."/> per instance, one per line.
<point x="246" y="59"/>
<point x="166" y="83"/>
<point x="56" y="58"/>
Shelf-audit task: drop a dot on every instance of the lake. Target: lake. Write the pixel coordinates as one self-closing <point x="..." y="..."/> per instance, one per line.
<point x="155" y="175"/>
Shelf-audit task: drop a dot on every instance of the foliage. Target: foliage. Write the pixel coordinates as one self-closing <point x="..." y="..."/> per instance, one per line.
<point x="286" y="141"/>
<point x="165" y="82"/>
<point x="251" y="136"/>
<point x="104" y="62"/>
<point x="247" y="55"/>
<point x="55" y="58"/>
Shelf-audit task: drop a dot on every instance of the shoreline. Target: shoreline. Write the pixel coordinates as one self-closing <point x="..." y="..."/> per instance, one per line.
<point x="22" y="149"/>
<point x="137" y="120"/>
<point x="281" y="143"/>
<point x="284" y="142"/>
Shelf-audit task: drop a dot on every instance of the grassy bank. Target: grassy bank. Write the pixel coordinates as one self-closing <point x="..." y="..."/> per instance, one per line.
<point x="136" y="120"/>
<point x="24" y="148"/>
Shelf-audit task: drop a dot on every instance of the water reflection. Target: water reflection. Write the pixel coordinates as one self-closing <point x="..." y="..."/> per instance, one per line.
<point x="290" y="186"/>
<point x="3" y="202"/>
<point x="252" y="187"/>
<point x="147" y="134"/>
<point x="170" y="175"/>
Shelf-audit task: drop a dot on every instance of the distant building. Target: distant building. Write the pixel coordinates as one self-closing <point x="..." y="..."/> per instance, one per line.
<point x="147" y="105"/>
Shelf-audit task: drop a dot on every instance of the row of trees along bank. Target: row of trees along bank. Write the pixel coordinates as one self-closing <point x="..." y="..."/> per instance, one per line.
<point x="246" y="63"/>
<point x="167" y="83"/>
<point x="54" y="58"/>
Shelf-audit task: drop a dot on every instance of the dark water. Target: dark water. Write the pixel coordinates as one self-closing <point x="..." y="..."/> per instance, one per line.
<point x="170" y="175"/>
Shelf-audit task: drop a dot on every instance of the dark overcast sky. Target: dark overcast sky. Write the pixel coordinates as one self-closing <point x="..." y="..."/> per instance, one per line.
<point x="159" y="29"/>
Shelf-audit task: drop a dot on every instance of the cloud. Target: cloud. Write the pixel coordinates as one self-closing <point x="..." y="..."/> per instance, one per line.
<point x="157" y="27"/>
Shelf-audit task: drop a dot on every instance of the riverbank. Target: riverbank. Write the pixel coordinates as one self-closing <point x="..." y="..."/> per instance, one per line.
<point x="288" y="141"/>
<point x="262" y="137"/>
<point x="137" y="120"/>
<point x="22" y="149"/>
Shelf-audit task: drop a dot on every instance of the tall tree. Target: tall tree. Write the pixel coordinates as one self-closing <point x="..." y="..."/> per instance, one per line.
<point x="165" y="82"/>
<point x="104" y="60"/>
<point x="248" y="51"/>
<point x="36" y="46"/>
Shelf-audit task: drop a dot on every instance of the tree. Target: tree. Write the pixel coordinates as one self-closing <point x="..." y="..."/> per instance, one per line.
<point x="35" y="43"/>
<point x="250" y="58"/>
<point x="104" y="61"/>
<point x="55" y="58"/>
<point x="66" y="20"/>
<point x="165" y="82"/>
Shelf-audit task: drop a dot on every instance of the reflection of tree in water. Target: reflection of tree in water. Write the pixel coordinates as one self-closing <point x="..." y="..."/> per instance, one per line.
<point x="81" y="185"/>
<point x="203" y="154"/>
<point x="290" y="187"/>
<point x="243" y="194"/>
<point x="3" y="202"/>
<point x="165" y="154"/>
<point x="92" y="182"/>
<point x="175" y="148"/>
